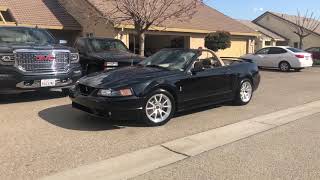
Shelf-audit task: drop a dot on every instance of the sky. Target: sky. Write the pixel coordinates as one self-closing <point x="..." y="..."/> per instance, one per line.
<point x="250" y="9"/>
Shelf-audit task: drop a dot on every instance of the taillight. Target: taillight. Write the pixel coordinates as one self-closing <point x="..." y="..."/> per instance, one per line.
<point x="300" y="56"/>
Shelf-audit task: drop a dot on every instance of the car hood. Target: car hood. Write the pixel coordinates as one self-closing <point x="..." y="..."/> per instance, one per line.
<point x="118" y="56"/>
<point x="9" y="48"/>
<point x="124" y="76"/>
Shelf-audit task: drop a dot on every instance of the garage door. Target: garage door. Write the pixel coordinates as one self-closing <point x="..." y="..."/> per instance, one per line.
<point x="237" y="49"/>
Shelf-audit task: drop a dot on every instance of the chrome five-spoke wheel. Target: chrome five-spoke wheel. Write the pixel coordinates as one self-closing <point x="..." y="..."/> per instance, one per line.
<point x="159" y="108"/>
<point x="246" y="92"/>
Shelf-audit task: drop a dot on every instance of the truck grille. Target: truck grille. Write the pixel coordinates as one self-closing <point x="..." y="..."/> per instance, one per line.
<point x="42" y="61"/>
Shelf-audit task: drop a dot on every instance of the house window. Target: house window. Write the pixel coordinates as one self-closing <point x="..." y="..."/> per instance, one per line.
<point x="267" y="43"/>
<point x="5" y="15"/>
<point x="296" y="45"/>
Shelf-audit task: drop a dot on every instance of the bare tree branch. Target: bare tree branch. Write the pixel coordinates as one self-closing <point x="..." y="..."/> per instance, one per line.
<point x="305" y="25"/>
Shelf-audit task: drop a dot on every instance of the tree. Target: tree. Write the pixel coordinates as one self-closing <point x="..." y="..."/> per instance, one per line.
<point x="145" y="14"/>
<point x="218" y="40"/>
<point x="305" y="25"/>
<point x="142" y="14"/>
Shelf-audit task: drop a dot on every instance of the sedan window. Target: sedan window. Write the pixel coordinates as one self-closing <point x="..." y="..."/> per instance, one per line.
<point x="295" y="50"/>
<point x="275" y="50"/>
<point x="263" y="51"/>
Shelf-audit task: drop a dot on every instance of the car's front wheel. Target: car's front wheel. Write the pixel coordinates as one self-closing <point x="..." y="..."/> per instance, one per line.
<point x="159" y="108"/>
<point x="245" y="92"/>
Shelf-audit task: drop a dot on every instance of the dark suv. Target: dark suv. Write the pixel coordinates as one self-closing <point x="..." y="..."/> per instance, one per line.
<point x="98" y="54"/>
<point x="31" y="59"/>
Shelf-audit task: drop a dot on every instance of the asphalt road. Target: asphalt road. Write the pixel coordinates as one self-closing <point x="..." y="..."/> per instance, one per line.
<point x="40" y="134"/>
<point x="287" y="152"/>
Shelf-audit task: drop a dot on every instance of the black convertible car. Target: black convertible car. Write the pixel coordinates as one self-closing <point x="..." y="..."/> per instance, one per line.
<point x="169" y="81"/>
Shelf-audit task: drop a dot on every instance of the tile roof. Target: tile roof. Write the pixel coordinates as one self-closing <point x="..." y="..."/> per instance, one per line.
<point x="41" y="13"/>
<point x="290" y="18"/>
<point x="206" y="18"/>
<point x="262" y="30"/>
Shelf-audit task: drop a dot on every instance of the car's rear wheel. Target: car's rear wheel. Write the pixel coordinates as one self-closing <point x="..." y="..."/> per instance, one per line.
<point x="159" y="108"/>
<point x="245" y="92"/>
<point x="284" y="66"/>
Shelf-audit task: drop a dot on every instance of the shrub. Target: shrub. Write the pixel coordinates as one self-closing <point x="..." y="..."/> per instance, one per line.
<point x="218" y="40"/>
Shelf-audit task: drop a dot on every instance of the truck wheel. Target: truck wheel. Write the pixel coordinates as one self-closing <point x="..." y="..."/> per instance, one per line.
<point x="245" y="92"/>
<point x="92" y="69"/>
<point x="65" y="92"/>
<point x="159" y="108"/>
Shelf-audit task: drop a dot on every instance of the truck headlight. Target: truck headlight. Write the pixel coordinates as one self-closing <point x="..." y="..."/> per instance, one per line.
<point x="115" y="93"/>
<point x="74" y="57"/>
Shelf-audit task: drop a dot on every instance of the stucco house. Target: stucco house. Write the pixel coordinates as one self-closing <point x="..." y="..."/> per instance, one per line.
<point x="282" y="25"/>
<point x="46" y="14"/>
<point x="188" y="34"/>
<point x="266" y="37"/>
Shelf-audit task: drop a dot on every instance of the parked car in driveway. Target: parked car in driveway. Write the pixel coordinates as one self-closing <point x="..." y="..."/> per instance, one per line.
<point x="98" y="54"/>
<point x="31" y="59"/>
<point x="315" y="51"/>
<point x="282" y="58"/>
<point x="169" y="81"/>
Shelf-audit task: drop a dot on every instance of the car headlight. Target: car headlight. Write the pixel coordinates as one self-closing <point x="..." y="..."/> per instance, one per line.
<point x="115" y="93"/>
<point x="74" y="57"/>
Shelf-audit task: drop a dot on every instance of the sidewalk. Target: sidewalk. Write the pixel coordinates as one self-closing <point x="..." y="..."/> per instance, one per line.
<point x="288" y="152"/>
<point x="178" y="153"/>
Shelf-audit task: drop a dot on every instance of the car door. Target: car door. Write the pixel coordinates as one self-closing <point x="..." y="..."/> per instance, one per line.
<point x="275" y="56"/>
<point x="207" y="86"/>
<point x="261" y="56"/>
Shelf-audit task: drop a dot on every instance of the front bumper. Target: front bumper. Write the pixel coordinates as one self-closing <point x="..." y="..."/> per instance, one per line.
<point x="13" y="81"/>
<point x="124" y="108"/>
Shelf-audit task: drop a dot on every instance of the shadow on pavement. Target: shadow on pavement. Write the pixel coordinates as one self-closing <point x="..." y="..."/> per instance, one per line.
<point x="30" y="96"/>
<point x="69" y="118"/>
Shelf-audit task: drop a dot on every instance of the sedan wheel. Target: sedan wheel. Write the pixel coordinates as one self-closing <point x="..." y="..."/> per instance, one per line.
<point x="159" y="108"/>
<point x="284" y="66"/>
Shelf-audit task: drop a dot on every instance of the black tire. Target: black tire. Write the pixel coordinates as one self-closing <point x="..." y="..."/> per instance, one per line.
<point x="65" y="92"/>
<point x="145" y="116"/>
<point x="92" y="69"/>
<point x="239" y="100"/>
<point x="284" y="66"/>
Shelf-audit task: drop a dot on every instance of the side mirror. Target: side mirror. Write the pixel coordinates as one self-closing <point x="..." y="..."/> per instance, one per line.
<point x="197" y="67"/>
<point x="63" y="42"/>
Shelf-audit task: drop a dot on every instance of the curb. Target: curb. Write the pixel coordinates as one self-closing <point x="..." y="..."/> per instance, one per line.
<point x="142" y="161"/>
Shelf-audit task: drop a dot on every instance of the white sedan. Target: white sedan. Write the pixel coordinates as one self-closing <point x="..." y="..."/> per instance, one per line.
<point x="284" y="58"/>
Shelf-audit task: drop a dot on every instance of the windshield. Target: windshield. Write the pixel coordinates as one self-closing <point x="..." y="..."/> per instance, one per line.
<point x="100" y="45"/>
<point x="295" y="50"/>
<point x="170" y="59"/>
<point x="25" y="36"/>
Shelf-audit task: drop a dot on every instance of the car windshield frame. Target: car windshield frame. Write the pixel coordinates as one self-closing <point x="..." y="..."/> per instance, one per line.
<point x="95" y="48"/>
<point x="29" y="36"/>
<point x="189" y="56"/>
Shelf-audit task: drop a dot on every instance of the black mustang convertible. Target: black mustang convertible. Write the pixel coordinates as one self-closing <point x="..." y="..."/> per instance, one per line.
<point x="169" y="81"/>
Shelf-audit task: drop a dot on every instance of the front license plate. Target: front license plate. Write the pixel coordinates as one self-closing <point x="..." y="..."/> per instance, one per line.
<point x="48" y="82"/>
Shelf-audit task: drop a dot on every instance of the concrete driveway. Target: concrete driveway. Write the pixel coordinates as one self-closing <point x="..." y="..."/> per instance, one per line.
<point x="41" y="134"/>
